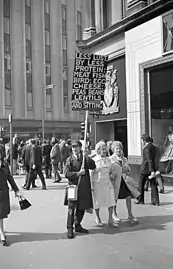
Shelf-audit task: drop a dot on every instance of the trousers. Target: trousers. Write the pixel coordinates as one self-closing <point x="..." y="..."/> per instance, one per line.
<point x="154" y="189"/>
<point x="74" y="216"/>
<point x="32" y="176"/>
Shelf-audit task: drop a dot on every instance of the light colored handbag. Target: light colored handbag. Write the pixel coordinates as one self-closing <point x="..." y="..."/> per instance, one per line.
<point x="72" y="191"/>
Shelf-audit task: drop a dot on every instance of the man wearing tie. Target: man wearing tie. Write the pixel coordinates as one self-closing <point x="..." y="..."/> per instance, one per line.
<point x="148" y="169"/>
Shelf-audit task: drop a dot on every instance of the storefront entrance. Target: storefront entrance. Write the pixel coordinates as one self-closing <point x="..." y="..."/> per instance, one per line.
<point x="111" y="131"/>
<point x="161" y="105"/>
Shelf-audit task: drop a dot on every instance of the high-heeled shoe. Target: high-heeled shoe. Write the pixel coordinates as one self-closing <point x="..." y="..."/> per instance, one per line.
<point x="133" y="219"/>
<point x="99" y="223"/>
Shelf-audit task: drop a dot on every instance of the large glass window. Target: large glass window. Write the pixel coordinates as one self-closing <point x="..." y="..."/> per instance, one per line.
<point x="48" y="100"/>
<point x="168" y="32"/>
<point x="47" y="6"/>
<point x="28" y="31"/>
<point x="47" y="54"/>
<point x="29" y="100"/>
<point x="28" y="15"/>
<point x="8" y="79"/>
<point x="7" y="97"/>
<point x="6" y="25"/>
<point x="79" y="25"/>
<point x="6" y="43"/>
<point x="6" y="5"/>
<point x="47" y="38"/>
<point x="28" y="49"/>
<point x="7" y="63"/>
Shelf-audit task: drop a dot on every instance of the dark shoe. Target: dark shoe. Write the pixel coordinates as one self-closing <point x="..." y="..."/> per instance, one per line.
<point x="70" y="233"/>
<point x="80" y="229"/>
<point x="4" y="242"/>
<point x="139" y="203"/>
<point x="162" y="191"/>
<point x="155" y="203"/>
<point x="44" y="188"/>
<point x="25" y="188"/>
<point x="59" y="179"/>
<point x="35" y="186"/>
<point x="145" y="189"/>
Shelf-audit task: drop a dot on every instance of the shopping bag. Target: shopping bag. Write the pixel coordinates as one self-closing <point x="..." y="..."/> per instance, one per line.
<point x="24" y="203"/>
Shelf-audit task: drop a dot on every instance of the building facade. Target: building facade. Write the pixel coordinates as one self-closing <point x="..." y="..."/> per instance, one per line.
<point x="138" y="33"/>
<point x="37" y="48"/>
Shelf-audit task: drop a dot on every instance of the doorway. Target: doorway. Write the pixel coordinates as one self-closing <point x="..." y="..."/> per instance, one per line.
<point x="120" y="134"/>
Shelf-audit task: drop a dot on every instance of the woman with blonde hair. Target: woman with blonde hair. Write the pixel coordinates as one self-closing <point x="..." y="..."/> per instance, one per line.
<point x="103" y="192"/>
<point x="124" y="185"/>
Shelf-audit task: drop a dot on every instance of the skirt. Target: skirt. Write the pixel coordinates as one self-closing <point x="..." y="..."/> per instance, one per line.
<point x="124" y="191"/>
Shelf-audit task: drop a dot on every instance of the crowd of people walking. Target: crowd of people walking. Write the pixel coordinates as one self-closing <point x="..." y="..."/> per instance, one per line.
<point x="94" y="180"/>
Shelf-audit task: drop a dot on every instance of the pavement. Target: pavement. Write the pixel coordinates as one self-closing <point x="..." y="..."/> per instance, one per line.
<point x="37" y="236"/>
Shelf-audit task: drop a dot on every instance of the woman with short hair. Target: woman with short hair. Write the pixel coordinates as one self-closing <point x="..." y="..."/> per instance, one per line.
<point x="5" y="176"/>
<point x="124" y="185"/>
<point x="103" y="192"/>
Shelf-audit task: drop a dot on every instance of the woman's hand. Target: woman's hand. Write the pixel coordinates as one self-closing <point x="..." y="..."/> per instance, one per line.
<point x="18" y="194"/>
<point x="125" y="169"/>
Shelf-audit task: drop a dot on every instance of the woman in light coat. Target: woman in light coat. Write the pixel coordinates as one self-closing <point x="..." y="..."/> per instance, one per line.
<point x="124" y="185"/>
<point x="103" y="191"/>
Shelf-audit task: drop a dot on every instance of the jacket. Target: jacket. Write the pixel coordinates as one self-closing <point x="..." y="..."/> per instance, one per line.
<point x="149" y="163"/>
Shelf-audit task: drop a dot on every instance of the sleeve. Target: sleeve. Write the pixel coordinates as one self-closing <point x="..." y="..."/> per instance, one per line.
<point x="89" y="163"/>
<point x="11" y="180"/>
<point x="69" y="174"/>
<point x="33" y="155"/>
<point x="149" y="159"/>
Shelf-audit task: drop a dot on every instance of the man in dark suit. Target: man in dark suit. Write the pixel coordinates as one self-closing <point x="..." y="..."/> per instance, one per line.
<point x="35" y="165"/>
<point x="79" y="176"/>
<point x="26" y="158"/>
<point x="47" y="161"/>
<point x="148" y="169"/>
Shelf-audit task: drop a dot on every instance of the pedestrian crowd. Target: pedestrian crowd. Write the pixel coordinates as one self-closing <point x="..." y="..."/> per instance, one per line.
<point x="95" y="180"/>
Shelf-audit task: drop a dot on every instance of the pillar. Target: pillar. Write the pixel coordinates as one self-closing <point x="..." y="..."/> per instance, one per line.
<point x="89" y="19"/>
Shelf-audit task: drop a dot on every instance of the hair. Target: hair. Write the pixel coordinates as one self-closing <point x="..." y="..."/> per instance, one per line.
<point x="99" y="145"/>
<point x="109" y="143"/>
<point x="146" y="138"/>
<point x="117" y="144"/>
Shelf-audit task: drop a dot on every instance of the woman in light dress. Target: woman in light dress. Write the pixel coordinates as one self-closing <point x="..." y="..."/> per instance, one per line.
<point x="124" y="185"/>
<point x="168" y="154"/>
<point x="103" y="191"/>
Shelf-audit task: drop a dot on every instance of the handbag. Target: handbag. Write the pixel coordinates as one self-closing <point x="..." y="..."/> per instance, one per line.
<point x="24" y="203"/>
<point x="72" y="191"/>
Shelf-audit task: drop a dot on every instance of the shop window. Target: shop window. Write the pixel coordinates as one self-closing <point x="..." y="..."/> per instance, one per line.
<point x="168" y="32"/>
<point x="6" y="5"/>
<point x="28" y="31"/>
<point x="29" y="100"/>
<point x="7" y="97"/>
<point x="6" y="43"/>
<point x="6" y="25"/>
<point x="7" y="63"/>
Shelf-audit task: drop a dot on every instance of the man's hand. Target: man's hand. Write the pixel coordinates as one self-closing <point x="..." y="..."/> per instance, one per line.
<point x="81" y="172"/>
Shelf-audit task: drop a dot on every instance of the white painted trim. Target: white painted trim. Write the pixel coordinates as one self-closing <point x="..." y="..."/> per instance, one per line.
<point x="111" y="120"/>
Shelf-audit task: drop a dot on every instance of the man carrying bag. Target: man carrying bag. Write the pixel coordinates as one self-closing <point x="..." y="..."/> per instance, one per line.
<point x="77" y="173"/>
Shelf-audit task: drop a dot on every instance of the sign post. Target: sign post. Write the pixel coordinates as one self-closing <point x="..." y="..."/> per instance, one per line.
<point x="11" y="143"/>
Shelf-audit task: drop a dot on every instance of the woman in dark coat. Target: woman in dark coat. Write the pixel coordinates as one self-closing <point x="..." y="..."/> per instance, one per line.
<point x="5" y="176"/>
<point x="74" y="172"/>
